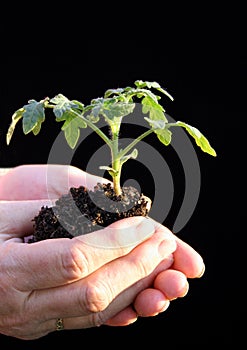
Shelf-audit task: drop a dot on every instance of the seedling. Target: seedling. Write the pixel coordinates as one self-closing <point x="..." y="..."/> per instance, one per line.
<point x="113" y="107"/>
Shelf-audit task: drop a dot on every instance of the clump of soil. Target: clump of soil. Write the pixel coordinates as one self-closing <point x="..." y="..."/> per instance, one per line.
<point x="82" y="211"/>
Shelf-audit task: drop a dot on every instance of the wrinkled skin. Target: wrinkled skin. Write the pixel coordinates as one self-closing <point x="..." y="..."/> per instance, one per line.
<point x="91" y="280"/>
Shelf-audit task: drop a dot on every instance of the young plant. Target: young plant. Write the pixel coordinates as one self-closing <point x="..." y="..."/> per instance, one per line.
<point x="116" y="104"/>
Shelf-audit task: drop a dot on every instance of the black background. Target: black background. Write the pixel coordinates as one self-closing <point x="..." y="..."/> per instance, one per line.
<point x="206" y="81"/>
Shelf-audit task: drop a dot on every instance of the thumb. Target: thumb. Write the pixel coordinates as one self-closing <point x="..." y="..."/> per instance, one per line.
<point x="42" y="181"/>
<point x="128" y="232"/>
<point x="16" y="217"/>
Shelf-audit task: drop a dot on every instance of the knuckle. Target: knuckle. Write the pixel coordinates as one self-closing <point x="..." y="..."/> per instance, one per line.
<point x="99" y="319"/>
<point x="74" y="263"/>
<point x="97" y="297"/>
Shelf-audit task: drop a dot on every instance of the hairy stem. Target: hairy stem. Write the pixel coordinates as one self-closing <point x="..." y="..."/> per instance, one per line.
<point x="116" y="161"/>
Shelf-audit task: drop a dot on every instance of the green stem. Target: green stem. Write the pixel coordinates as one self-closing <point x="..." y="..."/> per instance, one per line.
<point x="98" y="131"/>
<point x="134" y="142"/>
<point x="113" y="144"/>
<point x="116" y="160"/>
<point x="95" y="128"/>
<point x="117" y="166"/>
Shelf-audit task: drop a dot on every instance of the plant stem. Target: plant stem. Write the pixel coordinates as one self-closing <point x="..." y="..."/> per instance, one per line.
<point x="95" y="128"/>
<point x="134" y="142"/>
<point x="116" y="160"/>
<point x="98" y="131"/>
<point x="117" y="166"/>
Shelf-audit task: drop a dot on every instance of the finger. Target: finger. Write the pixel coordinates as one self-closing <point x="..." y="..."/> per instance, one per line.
<point x="173" y="284"/>
<point x="125" y="317"/>
<point x="119" y="312"/>
<point x="150" y="307"/>
<point x="61" y="261"/>
<point x="98" y="290"/>
<point x="16" y="217"/>
<point x="168" y="285"/>
<point x="150" y="302"/>
<point x="42" y="181"/>
<point x="188" y="260"/>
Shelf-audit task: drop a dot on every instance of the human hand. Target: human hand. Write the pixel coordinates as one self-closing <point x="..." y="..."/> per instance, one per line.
<point x="117" y="279"/>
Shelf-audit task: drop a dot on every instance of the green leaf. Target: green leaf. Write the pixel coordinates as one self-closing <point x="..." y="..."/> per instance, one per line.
<point x="155" y="110"/>
<point x="71" y="129"/>
<point x="132" y="155"/>
<point x="36" y="129"/>
<point x="164" y="135"/>
<point x="94" y="119"/>
<point x="110" y="170"/>
<point x="33" y="116"/>
<point x="79" y="104"/>
<point x="63" y="107"/>
<point x="115" y="104"/>
<point x="117" y="110"/>
<point x="15" y="118"/>
<point x="200" y="139"/>
<point x="104" y="167"/>
<point x="110" y="92"/>
<point x="141" y="93"/>
<point x="95" y="112"/>
<point x="152" y="84"/>
<point x="160" y="129"/>
<point x="156" y="124"/>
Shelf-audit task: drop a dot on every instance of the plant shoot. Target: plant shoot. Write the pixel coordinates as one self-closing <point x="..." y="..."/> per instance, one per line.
<point x="113" y="107"/>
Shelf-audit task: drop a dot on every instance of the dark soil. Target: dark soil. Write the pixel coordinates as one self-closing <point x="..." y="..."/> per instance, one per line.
<point x="82" y="211"/>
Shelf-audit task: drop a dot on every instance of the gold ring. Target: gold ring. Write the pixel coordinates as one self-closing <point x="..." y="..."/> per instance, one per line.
<point x="59" y="324"/>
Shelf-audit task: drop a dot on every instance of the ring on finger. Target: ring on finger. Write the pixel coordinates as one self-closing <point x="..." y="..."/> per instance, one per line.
<point x="59" y="324"/>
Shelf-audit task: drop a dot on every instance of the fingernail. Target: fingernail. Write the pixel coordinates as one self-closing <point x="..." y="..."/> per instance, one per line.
<point x="202" y="272"/>
<point x="165" y="306"/>
<point x="182" y="292"/>
<point x="185" y="290"/>
<point x="167" y="246"/>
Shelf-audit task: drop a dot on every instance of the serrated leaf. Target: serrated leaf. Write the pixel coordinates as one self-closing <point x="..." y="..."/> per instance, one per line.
<point x="155" y="110"/>
<point x="200" y="139"/>
<point x="66" y="115"/>
<point x="149" y="102"/>
<point x="140" y="83"/>
<point x="79" y="104"/>
<point x="117" y="110"/>
<point x="152" y="84"/>
<point x="63" y="106"/>
<point x="71" y="129"/>
<point x="132" y="155"/>
<point x="36" y="129"/>
<point x="164" y="136"/>
<point x="156" y="124"/>
<point x="15" y="118"/>
<point x="144" y="92"/>
<point x="110" y="92"/>
<point x="165" y="93"/>
<point x="149" y="84"/>
<point x="95" y="112"/>
<point x="94" y="119"/>
<point x="33" y="116"/>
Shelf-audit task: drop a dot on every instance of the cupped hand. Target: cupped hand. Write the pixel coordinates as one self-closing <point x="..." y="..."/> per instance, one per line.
<point x="100" y="278"/>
